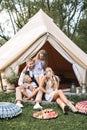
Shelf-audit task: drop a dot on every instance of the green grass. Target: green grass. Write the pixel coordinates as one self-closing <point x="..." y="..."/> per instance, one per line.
<point x="25" y="121"/>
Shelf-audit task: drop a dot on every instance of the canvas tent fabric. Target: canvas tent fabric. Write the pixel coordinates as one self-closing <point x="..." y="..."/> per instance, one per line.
<point x="42" y="33"/>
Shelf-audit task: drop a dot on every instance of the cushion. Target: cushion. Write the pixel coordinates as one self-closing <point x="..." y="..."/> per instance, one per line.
<point x="9" y="110"/>
<point x="82" y="106"/>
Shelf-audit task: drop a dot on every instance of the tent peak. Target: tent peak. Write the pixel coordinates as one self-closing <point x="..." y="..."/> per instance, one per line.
<point x="41" y="10"/>
<point x="41" y="15"/>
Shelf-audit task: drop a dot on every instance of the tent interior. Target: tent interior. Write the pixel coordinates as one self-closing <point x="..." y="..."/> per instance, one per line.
<point x="60" y="66"/>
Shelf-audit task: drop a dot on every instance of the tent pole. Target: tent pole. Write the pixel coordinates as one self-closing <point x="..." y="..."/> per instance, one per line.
<point x="1" y="87"/>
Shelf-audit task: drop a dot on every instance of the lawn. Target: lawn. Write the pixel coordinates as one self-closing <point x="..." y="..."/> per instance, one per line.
<point x="25" y="121"/>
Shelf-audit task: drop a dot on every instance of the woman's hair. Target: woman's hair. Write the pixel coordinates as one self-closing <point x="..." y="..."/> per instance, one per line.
<point x="49" y="69"/>
<point x="44" y="53"/>
<point x="52" y="72"/>
<point x="53" y="78"/>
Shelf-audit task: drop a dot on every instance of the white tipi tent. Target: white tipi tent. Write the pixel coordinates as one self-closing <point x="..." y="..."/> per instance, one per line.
<point x="41" y="32"/>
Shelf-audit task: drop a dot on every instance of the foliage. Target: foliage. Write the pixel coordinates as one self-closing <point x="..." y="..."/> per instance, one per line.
<point x="81" y="38"/>
<point x="62" y="11"/>
<point x="25" y="120"/>
<point x="12" y="78"/>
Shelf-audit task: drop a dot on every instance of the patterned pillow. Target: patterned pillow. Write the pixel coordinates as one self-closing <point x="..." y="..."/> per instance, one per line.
<point x="9" y="110"/>
<point x="82" y="106"/>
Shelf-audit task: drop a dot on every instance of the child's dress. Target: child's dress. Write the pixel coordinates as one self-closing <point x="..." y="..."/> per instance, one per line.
<point x="39" y="68"/>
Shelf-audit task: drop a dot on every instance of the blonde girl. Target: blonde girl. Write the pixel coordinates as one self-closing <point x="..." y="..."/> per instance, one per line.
<point x="40" y="64"/>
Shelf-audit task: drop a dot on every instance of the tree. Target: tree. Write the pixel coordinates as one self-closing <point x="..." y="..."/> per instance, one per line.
<point x="63" y="13"/>
<point x="81" y="38"/>
<point x="81" y="35"/>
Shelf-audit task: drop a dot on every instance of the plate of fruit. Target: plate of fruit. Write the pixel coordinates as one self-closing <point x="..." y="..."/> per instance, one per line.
<point x="45" y="114"/>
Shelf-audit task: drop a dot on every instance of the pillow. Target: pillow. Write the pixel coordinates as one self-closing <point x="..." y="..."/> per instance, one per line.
<point x="9" y="110"/>
<point x="82" y="106"/>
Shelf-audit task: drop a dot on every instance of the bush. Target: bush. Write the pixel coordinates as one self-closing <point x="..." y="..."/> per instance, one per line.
<point x="12" y="78"/>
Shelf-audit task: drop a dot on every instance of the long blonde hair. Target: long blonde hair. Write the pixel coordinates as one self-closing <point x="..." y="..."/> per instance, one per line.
<point x="44" y="53"/>
<point x="52" y="77"/>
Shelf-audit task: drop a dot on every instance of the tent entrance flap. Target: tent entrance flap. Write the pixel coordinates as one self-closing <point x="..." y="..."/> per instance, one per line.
<point x="58" y="63"/>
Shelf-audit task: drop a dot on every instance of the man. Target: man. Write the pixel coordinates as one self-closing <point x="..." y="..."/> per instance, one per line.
<point x="27" y="84"/>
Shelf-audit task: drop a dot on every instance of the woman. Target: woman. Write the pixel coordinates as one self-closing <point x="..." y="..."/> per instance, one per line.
<point x="49" y="85"/>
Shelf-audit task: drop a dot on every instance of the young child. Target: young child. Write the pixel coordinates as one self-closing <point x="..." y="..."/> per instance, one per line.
<point x="40" y="64"/>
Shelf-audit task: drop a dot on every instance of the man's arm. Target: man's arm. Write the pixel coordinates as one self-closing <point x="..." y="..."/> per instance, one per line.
<point x="21" y="78"/>
<point x="25" y="69"/>
<point x="22" y="75"/>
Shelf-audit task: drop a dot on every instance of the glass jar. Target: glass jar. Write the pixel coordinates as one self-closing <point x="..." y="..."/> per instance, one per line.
<point x="73" y="88"/>
<point x="78" y="90"/>
<point x="83" y="88"/>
